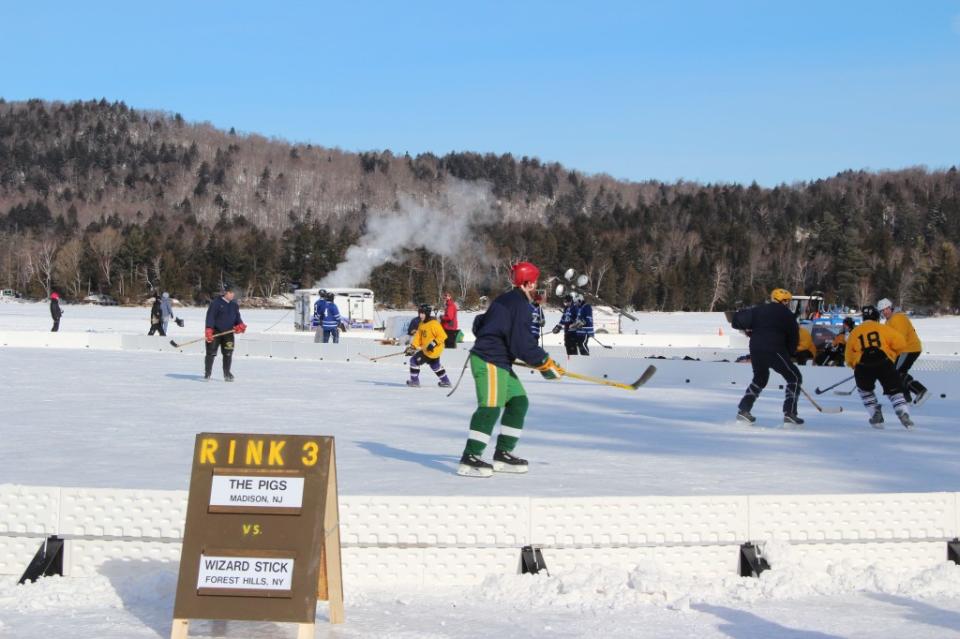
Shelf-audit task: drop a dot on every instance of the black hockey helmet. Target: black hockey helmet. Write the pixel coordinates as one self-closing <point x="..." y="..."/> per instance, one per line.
<point x="848" y="322"/>
<point x="870" y="312"/>
<point x="328" y="296"/>
<point x="426" y="309"/>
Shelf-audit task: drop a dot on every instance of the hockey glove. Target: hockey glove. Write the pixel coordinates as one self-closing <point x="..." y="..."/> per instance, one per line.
<point x="432" y="345"/>
<point x="409" y="351"/>
<point x="240" y="328"/>
<point x="577" y="325"/>
<point x="343" y="327"/>
<point x="557" y="329"/>
<point x="179" y="322"/>
<point x="550" y="369"/>
<point x="208" y="335"/>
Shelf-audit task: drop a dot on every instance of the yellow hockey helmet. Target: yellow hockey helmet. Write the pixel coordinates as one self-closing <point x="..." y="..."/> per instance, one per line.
<point x="780" y="295"/>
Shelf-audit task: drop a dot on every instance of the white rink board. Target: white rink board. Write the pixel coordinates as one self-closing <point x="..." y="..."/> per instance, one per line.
<point x="417" y="541"/>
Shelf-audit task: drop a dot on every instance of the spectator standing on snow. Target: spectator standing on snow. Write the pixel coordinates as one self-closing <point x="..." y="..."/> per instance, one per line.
<point x="156" y="317"/>
<point x="166" y="311"/>
<point x="55" y="311"/>
<point x="448" y="321"/>
<point x="223" y="316"/>
<point x="774" y="336"/>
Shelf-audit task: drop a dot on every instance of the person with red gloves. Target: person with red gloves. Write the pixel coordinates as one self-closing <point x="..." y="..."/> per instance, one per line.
<point x="223" y="322"/>
<point x="503" y="335"/>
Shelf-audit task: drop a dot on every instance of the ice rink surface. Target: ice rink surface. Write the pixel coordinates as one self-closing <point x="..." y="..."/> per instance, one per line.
<point x="128" y="420"/>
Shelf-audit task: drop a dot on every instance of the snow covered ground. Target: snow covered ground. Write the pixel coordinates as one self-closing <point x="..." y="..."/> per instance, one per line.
<point x="128" y="419"/>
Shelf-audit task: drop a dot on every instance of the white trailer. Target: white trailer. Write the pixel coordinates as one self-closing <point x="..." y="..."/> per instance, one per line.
<point x="355" y="304"/>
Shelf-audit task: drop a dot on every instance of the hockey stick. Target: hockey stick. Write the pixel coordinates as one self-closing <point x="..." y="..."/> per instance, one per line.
<point x="373" y="359"/>
<point x="199" y="339"/>
<point x="830" y="410"/>
<point x="643" y="379"/>
<point x="600" y="343"/>
<point x="820" y="391"/>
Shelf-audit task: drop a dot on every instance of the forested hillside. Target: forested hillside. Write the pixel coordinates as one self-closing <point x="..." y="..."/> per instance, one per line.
<point x="95" y="196"/>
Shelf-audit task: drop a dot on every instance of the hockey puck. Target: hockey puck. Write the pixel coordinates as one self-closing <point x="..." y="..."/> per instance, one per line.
<point x="780" y="387"/>
<point x="688" y="381"/>
<point x="943" y="395"/>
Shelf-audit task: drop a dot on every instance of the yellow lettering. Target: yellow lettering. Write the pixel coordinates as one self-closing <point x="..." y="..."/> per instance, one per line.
<point x="254" y="452"/>
<point x="275" y="457"/>
<point x="233" y="451"/>
<point x="247" y="528"/>
<point x="251" y="529"/>
<point x="311" y="450"/>
<point x="207" y="449"/>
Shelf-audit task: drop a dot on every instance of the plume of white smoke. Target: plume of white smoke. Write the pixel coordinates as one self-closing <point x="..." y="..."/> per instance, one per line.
<point x="441" y="225"/>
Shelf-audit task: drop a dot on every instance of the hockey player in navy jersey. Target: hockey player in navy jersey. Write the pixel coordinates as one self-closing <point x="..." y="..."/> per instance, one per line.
<point x="502" y="336"/>
<point x="583" y="324"/>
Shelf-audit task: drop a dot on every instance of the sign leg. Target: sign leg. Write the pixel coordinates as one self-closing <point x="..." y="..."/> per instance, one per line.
<point x="179" y="629"/>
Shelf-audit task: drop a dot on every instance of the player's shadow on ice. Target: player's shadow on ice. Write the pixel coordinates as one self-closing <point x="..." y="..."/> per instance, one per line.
<point x="195" y="378"/>
<point x="921" y="612"/>
<point x="382" y="383"/>
<point x="744" y="625"/>
<point x="443" y="463"/>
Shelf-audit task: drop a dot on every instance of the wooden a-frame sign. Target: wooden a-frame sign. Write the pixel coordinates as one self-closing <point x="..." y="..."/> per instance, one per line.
<point x="262" y="536"/>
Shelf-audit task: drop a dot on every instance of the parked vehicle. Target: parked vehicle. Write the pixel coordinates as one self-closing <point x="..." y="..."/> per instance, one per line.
<point x="99" y="298"/>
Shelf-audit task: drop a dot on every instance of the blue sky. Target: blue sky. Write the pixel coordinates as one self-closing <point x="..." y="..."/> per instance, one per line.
<point x="708" y="91"/>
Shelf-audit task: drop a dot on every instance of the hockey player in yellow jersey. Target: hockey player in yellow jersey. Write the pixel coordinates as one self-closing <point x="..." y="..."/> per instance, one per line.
<point x="912" y="389"/>
<point x="805" y="348"/>
<point x="871" y="351"/>
<point x="426" y="346"/>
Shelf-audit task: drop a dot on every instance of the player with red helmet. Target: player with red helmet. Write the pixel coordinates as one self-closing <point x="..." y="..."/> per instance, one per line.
<point x="502" y="336"/>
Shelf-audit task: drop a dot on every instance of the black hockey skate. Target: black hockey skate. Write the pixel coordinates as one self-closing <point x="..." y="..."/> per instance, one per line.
<point x="444" y="383"/>
<point x="228" y="377"/>
<point x="905" y="420"/>
<point x="473" y="466"/>
<point x="504" y="462"/>
<point x="792" y="419"/>
<point x="746" y="417"/>
<point x="876" y="420"/>
<point x="414" y="383"/>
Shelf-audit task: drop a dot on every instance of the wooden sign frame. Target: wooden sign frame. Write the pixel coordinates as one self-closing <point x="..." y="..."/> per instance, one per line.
<point x="276" y="551"/>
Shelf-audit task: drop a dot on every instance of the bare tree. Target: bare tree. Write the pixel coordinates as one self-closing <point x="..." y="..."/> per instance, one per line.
<point x="864" y="292"/>
<point x="66" y="266"/>
<point x="40" y="253"/>
<point x="721" y="282"/>
<point x="105" y="245"/>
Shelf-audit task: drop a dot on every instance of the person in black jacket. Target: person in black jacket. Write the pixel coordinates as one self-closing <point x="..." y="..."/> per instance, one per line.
<point x="502" y="336"/>
<point x="223" y="316"/>
<point x="55" y="311"/>
<point x="156" y="318"/>
<point x="774" y="336"/>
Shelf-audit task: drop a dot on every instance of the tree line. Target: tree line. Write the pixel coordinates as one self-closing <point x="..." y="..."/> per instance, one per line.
<point x="99" y="197"/>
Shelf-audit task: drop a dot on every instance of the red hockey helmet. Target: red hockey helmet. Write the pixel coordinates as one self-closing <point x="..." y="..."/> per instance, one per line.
<point x="524" y="273"/>
<point x="54" y="296"/>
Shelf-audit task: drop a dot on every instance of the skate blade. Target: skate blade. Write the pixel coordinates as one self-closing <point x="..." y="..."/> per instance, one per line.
<point x="501" y="467"/>
<point x="792" y="426"/>
<point x="878" y="425"/>
<point x="747" y="422"/>
<point x="469" y="471"/>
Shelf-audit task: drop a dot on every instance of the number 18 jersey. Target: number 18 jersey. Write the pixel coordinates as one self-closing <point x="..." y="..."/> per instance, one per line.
<point x="871" y="342"/>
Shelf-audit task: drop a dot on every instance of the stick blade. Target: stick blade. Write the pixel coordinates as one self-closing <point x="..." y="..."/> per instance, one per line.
<point x="831" y="410"/>
<point x="644" y="377"/>
<point x="818" y="391"/>
<point x="174" y="344"/>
